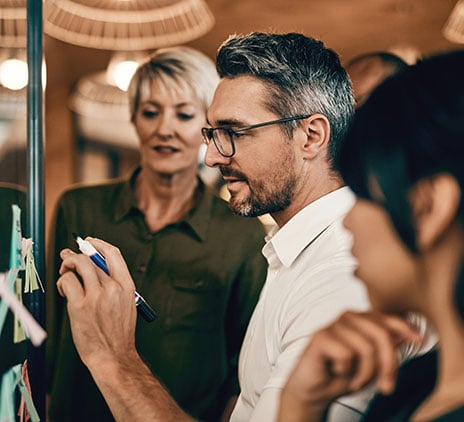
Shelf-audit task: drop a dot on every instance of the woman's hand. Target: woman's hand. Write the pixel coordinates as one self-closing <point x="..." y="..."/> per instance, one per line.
<point x="342" y="358"/>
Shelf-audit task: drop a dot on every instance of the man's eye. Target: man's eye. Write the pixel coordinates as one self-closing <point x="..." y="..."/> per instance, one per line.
<point x="238" y="135"/>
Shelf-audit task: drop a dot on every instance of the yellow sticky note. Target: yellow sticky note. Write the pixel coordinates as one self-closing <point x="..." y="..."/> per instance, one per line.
<point x="31" y="274"/>
<point x="18" y="331"/>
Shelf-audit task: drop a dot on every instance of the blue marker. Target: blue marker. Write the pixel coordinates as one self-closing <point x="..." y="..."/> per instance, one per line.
<point x="143" y="308"/>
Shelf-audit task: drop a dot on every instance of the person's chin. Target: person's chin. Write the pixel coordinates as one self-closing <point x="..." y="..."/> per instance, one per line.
<point x="239" y="204"/>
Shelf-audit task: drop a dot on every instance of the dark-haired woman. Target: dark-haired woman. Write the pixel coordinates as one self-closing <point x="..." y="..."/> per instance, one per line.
<point x="404" y="159"/>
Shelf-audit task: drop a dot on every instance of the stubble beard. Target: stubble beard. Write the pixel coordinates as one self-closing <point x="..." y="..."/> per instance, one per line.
<point x="270" y="195"/>
<point x="266" y="197"/>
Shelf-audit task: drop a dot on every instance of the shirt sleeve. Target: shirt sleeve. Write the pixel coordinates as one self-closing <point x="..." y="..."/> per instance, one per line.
<point x="267" y="406"/>
<point x="346" y="409"/>
<point x="351" y="408"/>
<point x="306" y="314"/>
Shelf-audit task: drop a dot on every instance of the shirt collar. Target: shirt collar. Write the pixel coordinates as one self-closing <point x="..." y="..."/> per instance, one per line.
<point x="200" y="215"/>
<point x="124" y="203"/>
<point x="304" y="227"/>
<point x="197" y="219"/>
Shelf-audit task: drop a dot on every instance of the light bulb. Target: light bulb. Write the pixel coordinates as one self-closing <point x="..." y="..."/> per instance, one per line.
<point x="123" y="72"/>
<point x="13" y="74"/>
<point x="122" y="67"/>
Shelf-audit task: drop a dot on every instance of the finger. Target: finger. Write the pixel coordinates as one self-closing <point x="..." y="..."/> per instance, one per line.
<point x="376" y="348"/>
<point x="115" y="261"/>
<point x="378" y="338"/>
<point x="398" y="328"/>
<point x="63" y="255"/>
<point x="91" y="276"/>
<point x="373" y="344"/>
<point x="362" y="348"/>
<point x="69" y="286"/>
<point x="336" y="355"/>
<point x="401" y="332"/>
<point x="66" y="252"/>
<point x="366" y="348"/>
<point x="401" y="328"/>
<point x="329" y="364"/>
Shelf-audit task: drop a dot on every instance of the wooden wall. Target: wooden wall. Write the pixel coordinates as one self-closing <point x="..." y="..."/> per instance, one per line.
<point x="350" y="27"/>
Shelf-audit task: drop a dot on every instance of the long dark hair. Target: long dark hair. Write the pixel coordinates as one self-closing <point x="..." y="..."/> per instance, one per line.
<point x="411" y="127"/>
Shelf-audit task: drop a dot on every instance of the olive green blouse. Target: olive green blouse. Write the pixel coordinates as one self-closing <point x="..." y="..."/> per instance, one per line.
<point x="202" y="275"/>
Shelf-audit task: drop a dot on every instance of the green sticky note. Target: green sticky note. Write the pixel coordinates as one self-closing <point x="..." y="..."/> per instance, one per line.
<point x="16" y="261"/>
<point x="9" y="381"/>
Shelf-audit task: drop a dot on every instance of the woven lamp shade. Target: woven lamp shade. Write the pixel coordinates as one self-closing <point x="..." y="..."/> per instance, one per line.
<point x="12" y="103"/>
<point x="102" y="112"/>
<point x="13" y="23"/>
<point x="454" y="27"/>
<point x="127" y="25"/>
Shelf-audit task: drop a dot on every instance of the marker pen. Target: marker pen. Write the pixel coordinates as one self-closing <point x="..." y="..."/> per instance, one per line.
<point x="143" y="308"/>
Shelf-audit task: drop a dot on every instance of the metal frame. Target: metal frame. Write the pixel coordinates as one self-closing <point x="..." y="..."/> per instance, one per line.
<point x="35" y="301"/>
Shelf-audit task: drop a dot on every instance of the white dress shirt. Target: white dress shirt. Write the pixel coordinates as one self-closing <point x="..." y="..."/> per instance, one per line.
<point x="310" y="282"/>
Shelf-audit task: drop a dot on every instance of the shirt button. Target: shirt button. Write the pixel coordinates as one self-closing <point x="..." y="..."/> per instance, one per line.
<point x="142" y="268"/>
<point x="148" y="237"/>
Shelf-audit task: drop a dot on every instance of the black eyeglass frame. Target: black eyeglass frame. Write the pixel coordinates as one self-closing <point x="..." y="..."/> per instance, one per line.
<point x="208" y="132"/>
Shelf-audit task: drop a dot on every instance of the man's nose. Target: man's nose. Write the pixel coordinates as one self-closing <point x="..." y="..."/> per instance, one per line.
<point x="213" y="158"/>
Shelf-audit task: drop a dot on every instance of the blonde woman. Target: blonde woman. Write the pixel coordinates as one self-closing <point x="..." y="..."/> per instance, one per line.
<point x="198" y="265"/>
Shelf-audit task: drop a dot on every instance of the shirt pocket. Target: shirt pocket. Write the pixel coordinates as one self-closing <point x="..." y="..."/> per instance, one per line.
<point x="195" y="305"/>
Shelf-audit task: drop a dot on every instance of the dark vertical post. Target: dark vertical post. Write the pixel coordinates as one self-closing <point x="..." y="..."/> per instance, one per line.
<point x="35" y="301"/>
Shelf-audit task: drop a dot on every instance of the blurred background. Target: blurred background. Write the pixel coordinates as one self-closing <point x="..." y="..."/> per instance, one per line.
<point x="86" y="129"/>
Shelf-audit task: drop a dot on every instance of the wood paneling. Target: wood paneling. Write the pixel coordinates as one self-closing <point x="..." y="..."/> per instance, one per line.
<point x="350" y="27"/>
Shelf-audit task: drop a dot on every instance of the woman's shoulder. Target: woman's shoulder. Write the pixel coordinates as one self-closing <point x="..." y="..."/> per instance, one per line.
<point x="92" y="191"/>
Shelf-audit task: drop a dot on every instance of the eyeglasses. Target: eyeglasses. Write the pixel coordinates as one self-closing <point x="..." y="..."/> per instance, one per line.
<point x="223" y="137"/>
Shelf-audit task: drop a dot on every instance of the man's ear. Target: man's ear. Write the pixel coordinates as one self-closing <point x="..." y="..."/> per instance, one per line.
<point x="435" y="203"/>
<point x="317" y="134"/>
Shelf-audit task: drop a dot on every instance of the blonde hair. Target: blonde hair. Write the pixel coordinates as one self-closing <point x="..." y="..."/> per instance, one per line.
<point x="175" y="68"/>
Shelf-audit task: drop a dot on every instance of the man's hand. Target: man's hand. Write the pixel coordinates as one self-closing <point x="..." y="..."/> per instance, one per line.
<point x="102" y="313"/>
<point x="101" y="308"/>
<point x="342" y="358"/>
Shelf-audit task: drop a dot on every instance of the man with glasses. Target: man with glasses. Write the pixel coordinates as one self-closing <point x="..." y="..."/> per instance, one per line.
<point x="278" y="116"/>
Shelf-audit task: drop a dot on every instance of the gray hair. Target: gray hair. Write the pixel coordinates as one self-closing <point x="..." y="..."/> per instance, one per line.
<point x="301" y="74"/>
<point x="176" y="69"/>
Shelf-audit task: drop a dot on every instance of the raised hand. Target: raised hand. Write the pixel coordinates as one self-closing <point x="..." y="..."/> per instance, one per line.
<point x="342" y="358"/>
<point x="102" y="313"/>
<point x="101" y="308"/>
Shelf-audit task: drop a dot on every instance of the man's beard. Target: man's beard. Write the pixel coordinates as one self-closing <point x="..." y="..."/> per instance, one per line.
<point x="264" y="197"/>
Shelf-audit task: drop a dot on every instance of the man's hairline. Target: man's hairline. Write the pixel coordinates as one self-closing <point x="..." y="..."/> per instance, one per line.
<point x="265" y="104"/>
